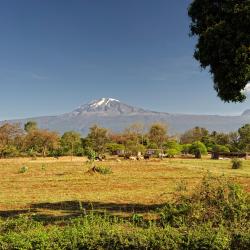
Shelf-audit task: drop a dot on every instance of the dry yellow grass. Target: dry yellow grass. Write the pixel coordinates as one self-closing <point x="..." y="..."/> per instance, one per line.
<point x="61" y="186"/>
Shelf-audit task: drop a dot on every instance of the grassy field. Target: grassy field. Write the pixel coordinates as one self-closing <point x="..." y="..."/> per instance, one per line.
<point x="60" y="188"/>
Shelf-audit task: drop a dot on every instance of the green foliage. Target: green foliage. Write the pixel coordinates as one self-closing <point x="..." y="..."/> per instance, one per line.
<point x="198" y="148"/>
<point x="23" y="169"/>
<point x="215" y="201"/>
<point x="244" y="139"/>
<point x="90" y="153"/>
<point x="30" y="125"/>
<point x="133" y="149"/>
<point x="158" y="134"/>
<point x="9" y="151"/>
<point x="222" y="28"/>
<point x="220" y="149"/>
<point x="172" y="152"/>
<point x="103" y="170"/>
<point x="186" y="148"/>
<point x="172" y="148"/>
<point x="137" y="218"/>
<point x="71" y="143"/>
<point x="152" y="146"/>
<point x="215" y="216"/>
<point x="113" y="147"/>
<point x="236" y="163"/>
<point x="98" y="139"/>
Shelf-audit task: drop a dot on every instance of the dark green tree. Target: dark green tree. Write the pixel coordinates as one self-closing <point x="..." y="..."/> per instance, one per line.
<point x="222" y="28"/>
<point x="198" y="148"/>
<point x="29" y="126"/>
<point x="244" y="140"/>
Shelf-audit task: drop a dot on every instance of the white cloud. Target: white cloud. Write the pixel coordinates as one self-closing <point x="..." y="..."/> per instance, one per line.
<point x="247" y="88"/>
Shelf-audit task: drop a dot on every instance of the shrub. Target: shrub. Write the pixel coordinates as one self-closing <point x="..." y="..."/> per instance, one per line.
<point x="9" y="151"/>
<point x="171" y="153"/>
<point x="215" y="200"/>
<point x="103" y="170"/>
<point x="137" y="218"/>
<point x="236" y="163"/>
<point x="23" y="169"/>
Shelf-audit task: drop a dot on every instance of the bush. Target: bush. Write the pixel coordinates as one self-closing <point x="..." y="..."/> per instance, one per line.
<point x="236" y="163"/>
<point x="23" y="169"/>
<point x="215" y="200"/>
<point x="171" y="153"/>
<point x="103" y="170"/>
<point x="9" y="151"/>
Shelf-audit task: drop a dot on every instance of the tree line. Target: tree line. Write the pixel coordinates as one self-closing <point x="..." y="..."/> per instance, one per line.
<point x="33" y="141"/>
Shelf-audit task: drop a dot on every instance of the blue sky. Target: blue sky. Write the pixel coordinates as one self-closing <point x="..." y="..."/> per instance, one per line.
<point x="59" y="54"/>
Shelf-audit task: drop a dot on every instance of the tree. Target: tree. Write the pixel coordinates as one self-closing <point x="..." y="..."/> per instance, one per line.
<point x="134" y="149"/>
<point x="11" y="137"/>
<point x="198" y="148"/>
<point x="98" y="138"/>
<point x="186" y="148"/>
<point x="222" y="27"/>
<point x="42" y="141"/>
<point x="135" y="132"/>
<point x="172" y="148"/>
<point x="158" y="134"/>
<point x="244" y="139"/>
<point x="234" y="141"/>
<point x="70" y="142"/>
<point x="222" y="138"/>
<point x="194" y="134"/>
<point x="30" y="126"/>
<point x="114" y="147"/>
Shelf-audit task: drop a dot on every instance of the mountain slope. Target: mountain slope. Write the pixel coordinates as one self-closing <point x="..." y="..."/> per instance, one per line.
<point x="115" y="115"/>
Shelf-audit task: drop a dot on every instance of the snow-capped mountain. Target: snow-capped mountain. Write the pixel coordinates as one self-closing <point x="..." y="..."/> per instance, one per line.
<point x="115" y="115"/>
<point x="108" y="105"/>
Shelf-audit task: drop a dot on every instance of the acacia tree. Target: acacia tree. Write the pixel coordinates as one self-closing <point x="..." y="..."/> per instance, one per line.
<point x="194" y="134"/>
<point x="135" y="132"/>
<point x="11" y="136"/>
<point x="222" y="28"/>
<point x="98" y="138"/>
<point x="42" y="141"/>
<point x="70" y="141"/>
<point x="158" y="134"/>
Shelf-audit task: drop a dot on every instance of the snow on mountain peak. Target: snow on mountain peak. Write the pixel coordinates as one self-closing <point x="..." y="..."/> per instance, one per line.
<point x="102" y="102"/>
<point x="104" y="105"/>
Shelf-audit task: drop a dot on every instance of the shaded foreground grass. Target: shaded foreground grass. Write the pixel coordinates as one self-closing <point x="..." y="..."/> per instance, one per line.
<point x="213" y="216"/>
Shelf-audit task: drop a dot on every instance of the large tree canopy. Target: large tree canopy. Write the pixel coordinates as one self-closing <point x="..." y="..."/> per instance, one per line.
<point x="223" y="30"/>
